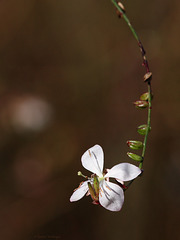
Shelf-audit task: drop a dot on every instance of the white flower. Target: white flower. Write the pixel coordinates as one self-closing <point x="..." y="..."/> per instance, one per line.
<point x="111" y="195"/>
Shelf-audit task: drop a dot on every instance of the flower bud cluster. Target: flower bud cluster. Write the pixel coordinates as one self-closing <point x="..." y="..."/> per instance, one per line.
<point x="143" y="102"/>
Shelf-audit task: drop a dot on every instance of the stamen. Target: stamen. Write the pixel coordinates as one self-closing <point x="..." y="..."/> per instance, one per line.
<point x="80" y="174"/>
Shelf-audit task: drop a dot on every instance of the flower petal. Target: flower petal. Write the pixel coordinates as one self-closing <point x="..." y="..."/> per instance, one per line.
<point x="93" y="160"/>
<point x="79" y="192"/>
<point x="111" y="196"/>
<point x="124" y="172"/>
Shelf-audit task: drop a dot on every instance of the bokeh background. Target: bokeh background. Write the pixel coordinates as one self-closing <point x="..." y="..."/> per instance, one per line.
<point x="69" y="72"/>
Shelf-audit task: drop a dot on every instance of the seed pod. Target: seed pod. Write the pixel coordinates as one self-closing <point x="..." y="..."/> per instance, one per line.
<point x="147" y="76"/>
<point x="135" y="157"/>
<point x="141" y="104"/>
<point x="142" y="129"/>
<point x="134" y="144"/>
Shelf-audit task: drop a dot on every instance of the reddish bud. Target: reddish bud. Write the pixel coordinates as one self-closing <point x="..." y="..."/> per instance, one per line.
<point x="134" y="144"/>
<point x="141" y="104"/>
<point x="119" y="13"/>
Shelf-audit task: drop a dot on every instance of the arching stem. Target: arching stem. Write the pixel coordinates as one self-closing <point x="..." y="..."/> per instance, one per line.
<point x="147" y="77"/>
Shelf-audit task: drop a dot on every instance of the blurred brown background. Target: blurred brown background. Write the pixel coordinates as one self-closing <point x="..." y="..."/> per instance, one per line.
<point x="69" y="72"/>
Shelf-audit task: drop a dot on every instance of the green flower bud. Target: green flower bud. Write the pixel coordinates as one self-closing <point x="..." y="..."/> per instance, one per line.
<point x="135" y="157"/>
<point x="141" y="104"/>
<point x="144" y="96"/>
<point x="142" y="129"/>
<point x="134" y="144"/>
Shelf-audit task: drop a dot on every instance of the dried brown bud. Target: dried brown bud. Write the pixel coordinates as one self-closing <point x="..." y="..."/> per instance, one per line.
<point x="147" y="76"/>
<point x="121" y="6"/>
<point x="119" y="13"/>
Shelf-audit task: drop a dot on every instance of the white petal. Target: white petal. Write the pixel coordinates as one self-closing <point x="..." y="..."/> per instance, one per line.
<point x="124" y="172"/>
<point x="93" y="160"/>
<point x="111" y="196"/>
<point x="79" y="192"/>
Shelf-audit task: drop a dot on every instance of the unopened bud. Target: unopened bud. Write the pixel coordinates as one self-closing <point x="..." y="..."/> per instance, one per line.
<point x="142" y="129"/>
<point x="141" y="104"/>
<point x="144" y="96"/>
<point x="147" y="77"/>
<point x="119" y="14"/>
<point x="134" y="144"/>
<point x="135" y="157"/>
<point x="121" y="6"/>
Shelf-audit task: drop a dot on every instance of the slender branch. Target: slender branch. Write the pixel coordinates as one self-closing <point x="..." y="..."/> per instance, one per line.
<point x="148" y="125"/>
<point x="147" y="76"/>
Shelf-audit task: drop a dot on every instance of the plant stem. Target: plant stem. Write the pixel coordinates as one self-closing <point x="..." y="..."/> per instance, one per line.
<point x="145" y="64"/>
<point x="148" y="126"/>
<point x="126" y="19"/>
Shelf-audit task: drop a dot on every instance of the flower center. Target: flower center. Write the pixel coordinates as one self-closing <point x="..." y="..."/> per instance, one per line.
<point x="100" y="178"/>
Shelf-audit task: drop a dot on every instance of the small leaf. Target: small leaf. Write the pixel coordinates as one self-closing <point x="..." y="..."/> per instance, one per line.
<point x="144" y="96"/>
<point x="142" y="129"/>
<point x="134" y="144"/>
<point x="134" y="156"/>
<point x="141" y="104"/>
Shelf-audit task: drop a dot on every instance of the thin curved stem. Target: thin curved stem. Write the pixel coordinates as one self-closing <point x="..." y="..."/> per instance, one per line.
<point x="148" y="126"/>
<point x="148" y="79"/>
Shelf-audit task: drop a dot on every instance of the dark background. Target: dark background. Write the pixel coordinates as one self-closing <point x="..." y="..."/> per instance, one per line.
<point x="69" y="72"/>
